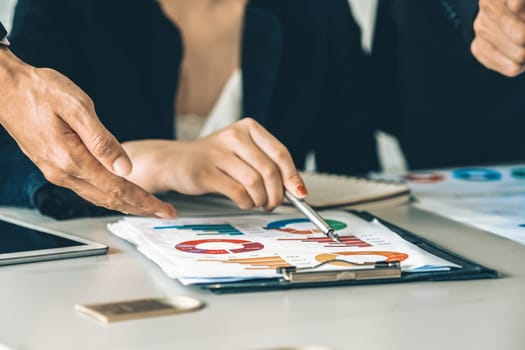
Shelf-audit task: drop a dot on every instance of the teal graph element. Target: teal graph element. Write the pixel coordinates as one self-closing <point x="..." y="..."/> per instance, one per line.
<point x="206" y="230"/>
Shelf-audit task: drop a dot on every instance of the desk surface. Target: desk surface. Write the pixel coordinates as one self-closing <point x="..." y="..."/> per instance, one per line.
<point x="37" y="302"/>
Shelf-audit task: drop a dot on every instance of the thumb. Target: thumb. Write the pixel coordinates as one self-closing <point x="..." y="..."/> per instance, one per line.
<point x="108" y="151"/>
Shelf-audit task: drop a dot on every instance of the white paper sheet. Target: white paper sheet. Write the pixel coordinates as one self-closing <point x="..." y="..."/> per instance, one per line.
<point x="196" y="250"/>
<point x="489" y="198"/>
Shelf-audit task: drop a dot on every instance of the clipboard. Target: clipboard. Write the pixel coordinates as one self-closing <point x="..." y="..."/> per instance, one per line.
<point x="378" y="274"/>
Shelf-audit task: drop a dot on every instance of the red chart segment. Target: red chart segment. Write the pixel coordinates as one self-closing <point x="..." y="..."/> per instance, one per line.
<point x="193" y="246"/>
<point x="346" y="241"/>
<point x="425" y="178"/>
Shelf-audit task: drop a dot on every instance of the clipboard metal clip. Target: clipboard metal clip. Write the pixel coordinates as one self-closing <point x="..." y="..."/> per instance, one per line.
<point x="364" y="271"/>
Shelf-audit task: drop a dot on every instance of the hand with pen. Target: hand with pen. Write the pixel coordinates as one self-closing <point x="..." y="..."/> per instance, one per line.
<point x="243" y="162"/>
<point x="499" y="43"/>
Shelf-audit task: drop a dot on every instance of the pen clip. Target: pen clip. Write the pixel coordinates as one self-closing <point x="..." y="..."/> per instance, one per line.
<point x="375" y="270"/>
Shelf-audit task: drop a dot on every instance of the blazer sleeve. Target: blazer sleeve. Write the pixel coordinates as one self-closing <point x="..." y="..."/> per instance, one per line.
<point x="19" y="178"/>
<point x="344" y="137"/>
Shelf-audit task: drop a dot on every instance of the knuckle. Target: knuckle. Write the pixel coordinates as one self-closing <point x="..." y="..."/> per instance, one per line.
<point x="478" y="25"/>
<point x="102" y="146"/>
<point x="231" y="133"/>
<point x="47" y="71"/>
<point x="249" y="121"/>
<point x="87" y="102"/>
<point x="67" y="163"/>
<point x="61" y="160"/>
<point x="273" y="203"/>
<point x="484" y="5"/>
<point x="214" y="153"/>
<point x="512" y="70"/>
<point x="238" y="193"/>
<point x="270" y="171"/>
<point x="117" y="193"/>
<point x="520" y="56"/>
<point x="76" y="106"/>
<point x="54" y="176"/>
<point x="514" y="5"/>
<point x="518" y="34"/>
<point x="475" y="47"/>
<point x="281" y="154"/>
<point x="113" y="203"/>
<point x="240" y="196"/>
<point x="252" y="180"/>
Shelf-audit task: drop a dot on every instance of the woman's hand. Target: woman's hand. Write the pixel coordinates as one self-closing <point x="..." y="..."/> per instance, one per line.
<point x="243" y="161"/>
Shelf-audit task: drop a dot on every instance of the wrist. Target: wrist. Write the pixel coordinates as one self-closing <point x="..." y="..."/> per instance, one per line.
<point x="13" y="72"/>
<point x="10" y="65"/>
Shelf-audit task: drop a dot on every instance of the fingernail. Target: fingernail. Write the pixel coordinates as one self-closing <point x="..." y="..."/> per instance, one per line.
<point x="171" y="213"/>
<point x="163" y="215"/>
<point x="121" y="166"/>
<point x="301" y="191"/>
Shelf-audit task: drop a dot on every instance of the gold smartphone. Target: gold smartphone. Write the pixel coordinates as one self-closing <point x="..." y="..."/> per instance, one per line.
<point x="139" y="308"/>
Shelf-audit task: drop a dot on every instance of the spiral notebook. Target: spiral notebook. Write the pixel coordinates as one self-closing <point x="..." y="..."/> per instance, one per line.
<point x="327" y="190"/>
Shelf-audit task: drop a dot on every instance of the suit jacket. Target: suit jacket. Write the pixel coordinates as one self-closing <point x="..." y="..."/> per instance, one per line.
<point x="304" y="74"/>
<point x="445" y="107"/>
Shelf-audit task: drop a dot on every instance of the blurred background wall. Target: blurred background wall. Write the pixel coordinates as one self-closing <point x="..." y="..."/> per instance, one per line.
<point x="6" y="11"/>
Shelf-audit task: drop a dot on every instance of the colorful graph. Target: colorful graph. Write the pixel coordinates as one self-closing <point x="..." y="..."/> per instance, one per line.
<point x="425" y="178"/>
<point x="260" y="263"/>
<point x="361" y="257"/>
<point x="302" y="226"/>
<point x="206" y="230"/>
<point x="219" y="246"/>
<point x="346" y="241"/>
<point x="476" y="174"/>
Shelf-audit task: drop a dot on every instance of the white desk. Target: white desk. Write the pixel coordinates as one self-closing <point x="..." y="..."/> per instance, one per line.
<point x="37" y="302"/>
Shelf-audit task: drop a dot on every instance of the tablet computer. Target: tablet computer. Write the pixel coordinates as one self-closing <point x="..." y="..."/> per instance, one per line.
<point x="24" y="243"/>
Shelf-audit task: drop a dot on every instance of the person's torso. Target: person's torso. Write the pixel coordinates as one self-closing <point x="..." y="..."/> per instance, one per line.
<point x="449" y="110"/>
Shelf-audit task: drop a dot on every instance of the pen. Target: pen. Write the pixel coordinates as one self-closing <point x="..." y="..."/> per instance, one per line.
<point x="311" y="214"/>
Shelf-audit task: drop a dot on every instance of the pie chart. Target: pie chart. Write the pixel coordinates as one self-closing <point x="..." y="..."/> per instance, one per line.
<point x="218" y="246"/>
<point x="425" y="178"/>
<point x="477" y="174"/>
<point x="302" y="226"/>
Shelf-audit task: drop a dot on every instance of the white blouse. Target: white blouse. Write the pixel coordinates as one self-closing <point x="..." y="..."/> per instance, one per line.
<point x="226" y="111"/>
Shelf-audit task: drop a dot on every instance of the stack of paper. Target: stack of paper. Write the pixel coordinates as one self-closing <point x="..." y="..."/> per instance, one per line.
<point x="489" y="198"/>
<point x="213" y="249"/>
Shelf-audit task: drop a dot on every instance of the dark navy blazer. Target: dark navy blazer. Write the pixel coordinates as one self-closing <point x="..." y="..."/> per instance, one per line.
<point x="445" y="107"/>
<point x="304" y="76"/>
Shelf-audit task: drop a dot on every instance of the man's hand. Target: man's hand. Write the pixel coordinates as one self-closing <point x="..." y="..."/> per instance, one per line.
<point x="499" y="43"/>
<point x="243" y="161"/>
<point x="55" y="124"/>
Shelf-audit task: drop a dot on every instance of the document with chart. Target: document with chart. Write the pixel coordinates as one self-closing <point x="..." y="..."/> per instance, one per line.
<point x="204" y="250"/>
<point x="489" y="198"/>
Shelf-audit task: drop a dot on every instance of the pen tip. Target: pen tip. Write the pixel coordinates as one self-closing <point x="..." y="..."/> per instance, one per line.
<point x="334" y="236"/>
